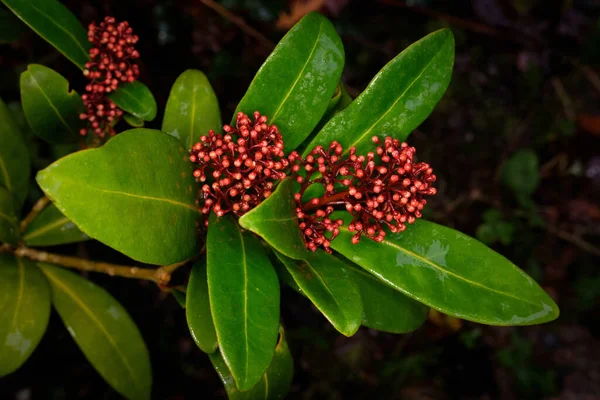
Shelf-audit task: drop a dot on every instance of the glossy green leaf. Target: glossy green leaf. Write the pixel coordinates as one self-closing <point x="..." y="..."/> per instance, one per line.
<point x="197" y="310"/>
<point x="385" y="308"/>
<point x="521" y="173"/>
<point x="398" y="98"/>
<point x="51" y="228"/>
<point x="326" y="281"/>
<point x="24" y="311"/>
<point x="451" y="272"/>
<point x="55" y="24"/>
<point x="180" y="297"/>
<point x="133" y="121"/>
<point x="295" y="84"/>
<point x="14" y="157"/>
<point x="192" y="108"/>
<point x="136" y="99"/>
<point x="275" y="221"/>
<point x="10" y="27"/>
<point x="135" y="194"/>
<point x="244" y="299"/>
<point x="52" y="111"/>
<point x="274" y="384"/>
<point x="9" y="224"/>
<point x="104" y="332"/>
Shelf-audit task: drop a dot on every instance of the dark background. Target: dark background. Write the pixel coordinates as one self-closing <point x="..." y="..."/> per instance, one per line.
<point x="525" y="82"/>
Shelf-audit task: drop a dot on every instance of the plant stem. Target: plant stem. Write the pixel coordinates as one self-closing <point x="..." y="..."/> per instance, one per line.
<point x="161" y="276"/>
<point x="336" y="199"/>
<point x="35" y="210"/>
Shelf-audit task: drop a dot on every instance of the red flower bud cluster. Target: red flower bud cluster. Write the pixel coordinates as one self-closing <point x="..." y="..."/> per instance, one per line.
<point x="243" y="165"/>
<point x="387" y="192"/>
<point x="113" y="55"/>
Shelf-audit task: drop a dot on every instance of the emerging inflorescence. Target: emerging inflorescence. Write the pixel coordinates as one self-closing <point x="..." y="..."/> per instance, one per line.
<point x="244" y="164"/>
<point x="113" y="58"/>
<point x="385" y="188"/>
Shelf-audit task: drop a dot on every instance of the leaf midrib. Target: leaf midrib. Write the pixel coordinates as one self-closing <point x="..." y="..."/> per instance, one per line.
<point x="34" y="79"/>
<point x="93" y="317"/>
<point x="62" y="29"/>
<point x="443" y="270"/>
<point x="315" y="272"/>
<point x="7" y="181"/>
<point x="346" y="151"/>
<point x="138" y="196"/>
<point x="8" y="218"/>
<point x="45" y="228"/>
<point x="245" y="291"/>
<point x="21" y="269"/>
<point x="276" y="113"/>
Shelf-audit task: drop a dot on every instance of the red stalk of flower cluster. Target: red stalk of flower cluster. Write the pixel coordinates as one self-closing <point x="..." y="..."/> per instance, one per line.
<point x="244" y="164"/>
<point x="113" y="62"/>
<point x="384" y="189"/>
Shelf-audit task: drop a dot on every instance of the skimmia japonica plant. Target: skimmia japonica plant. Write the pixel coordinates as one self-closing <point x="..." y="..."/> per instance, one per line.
<point x="304" y="187"/>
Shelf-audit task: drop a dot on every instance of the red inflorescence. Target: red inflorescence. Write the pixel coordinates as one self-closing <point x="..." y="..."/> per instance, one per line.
<point x="389" y="192"/>
<point x="113" y="62"/>
<point x="244" y="163"/>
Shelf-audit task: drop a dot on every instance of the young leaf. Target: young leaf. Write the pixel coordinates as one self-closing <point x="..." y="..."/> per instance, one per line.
<point x="192" y="108"/>
<point x="294" y="85"/>
<point x="244" y="299"/>
<point x="136" y="99"/>
<point x="24" y="311"/>
<point x="104" y="332"/>
<point x="398" y="98"/>
<point x="135" y="194"/>
<point x="384" y="308"/>
<point x="197" y="310"/>
<point x="9" y="225"/>
<point x="14" y="158"/>
<point x="275" y="221"/>
<point x="51" y="110"/>
<point x="451" y="272"/>
<point x="56" y="24"/>
<point x="51" y="228"/>
<point x="325" y="280"/>
<point x="274" y="384"/>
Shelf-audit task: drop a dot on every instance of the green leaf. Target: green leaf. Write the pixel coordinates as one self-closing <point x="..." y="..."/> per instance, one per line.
<point x="385" y="308"/>
<point x="55" y="24"/>
<point x="136" y="99"/>
<point x="197" y="310"/>
<point x="51" y="228"/>
<point x="325" y="280"/>
<point x="104" y="332"/>
<point x="14" y="158"/>
<point x="9" y="224"/>
<point x="295" y="84"/>
<point x="24" y="311"/>
<point x="451" y="272"/>
<point x="135" y="194"/>
<point x="244" y="299"/>
<point x="275" y="221"/>
<point x="192" y="108"/>
<point x="51" y="110"/>
<point x="133" y="121"/>
<point x="521" y="173"/>
<point x="180" y="296"/>
<point x="398" y="98"/>
<point x="10" y="27"/>
<point x="274" y="384"/>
